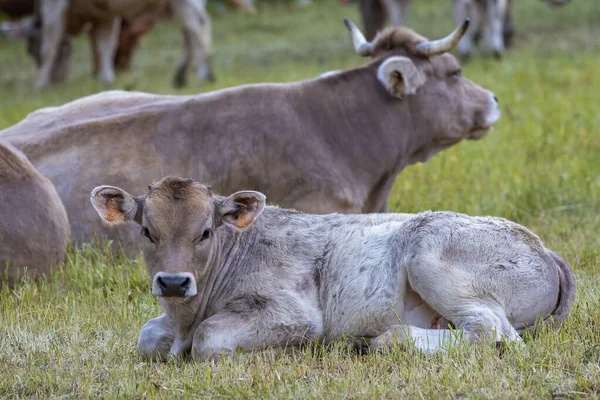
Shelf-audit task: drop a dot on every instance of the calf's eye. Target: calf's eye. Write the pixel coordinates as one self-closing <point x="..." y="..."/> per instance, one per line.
<point x="205" y="235"/>
<point x="146" y="233"/>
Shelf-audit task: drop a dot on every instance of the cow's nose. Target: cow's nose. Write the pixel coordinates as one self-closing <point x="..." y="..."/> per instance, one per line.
<point x="173" y="285"/>
<point x="496" y="100"/>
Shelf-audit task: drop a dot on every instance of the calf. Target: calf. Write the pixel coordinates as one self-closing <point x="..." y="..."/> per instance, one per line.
<point x="232" y="273"/>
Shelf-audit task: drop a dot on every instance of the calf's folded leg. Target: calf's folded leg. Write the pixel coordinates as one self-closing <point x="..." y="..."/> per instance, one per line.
<point x="155" y="338"/>
<point x="225" y="332"/>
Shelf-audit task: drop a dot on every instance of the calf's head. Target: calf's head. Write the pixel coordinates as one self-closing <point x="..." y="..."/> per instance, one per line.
<point x="179" y="219"/>
<point x="424" y="78"/>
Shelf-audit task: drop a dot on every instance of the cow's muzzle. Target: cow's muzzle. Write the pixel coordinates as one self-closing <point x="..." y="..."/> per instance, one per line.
<point x="181" y="284"/>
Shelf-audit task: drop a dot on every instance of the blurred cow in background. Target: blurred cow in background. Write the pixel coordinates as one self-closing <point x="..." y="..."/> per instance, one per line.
<point x="27" y="25"/>
<point x="55" y="19"/>
<point x="493" y="24"/>
<point x="491" y="20"/>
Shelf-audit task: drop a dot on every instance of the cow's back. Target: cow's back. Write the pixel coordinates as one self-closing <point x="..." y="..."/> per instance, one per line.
<point x="132" y="139"/>
<point x="34" y="229"/>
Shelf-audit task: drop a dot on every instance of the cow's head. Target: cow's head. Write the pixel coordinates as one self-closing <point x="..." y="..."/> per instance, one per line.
<point x="178" y="219"/>
<point x="423" y="76"/>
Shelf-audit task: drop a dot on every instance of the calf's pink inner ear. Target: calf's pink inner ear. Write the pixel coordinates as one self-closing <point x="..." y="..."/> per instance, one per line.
<point x="242" y="208"/>
<point x="112" y="204"/>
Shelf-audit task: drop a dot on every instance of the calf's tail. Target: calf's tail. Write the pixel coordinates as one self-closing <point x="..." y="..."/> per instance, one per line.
<point x="567" y="291"/>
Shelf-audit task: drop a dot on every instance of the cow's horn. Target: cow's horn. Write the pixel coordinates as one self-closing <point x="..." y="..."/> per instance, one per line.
<point x="444" y="45"/>
<point x="361" y="46"/>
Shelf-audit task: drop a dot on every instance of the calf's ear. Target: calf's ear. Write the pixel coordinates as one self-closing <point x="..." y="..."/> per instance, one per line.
<point x="115" y="205"/>
<point x="242" y="208"/>
<point x="400" y="76"/>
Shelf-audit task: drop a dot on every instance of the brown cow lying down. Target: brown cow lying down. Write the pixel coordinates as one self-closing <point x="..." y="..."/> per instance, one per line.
<point x="330" y="144"/>
<point x="234" y="274"/>
<point x="34" y="230"/>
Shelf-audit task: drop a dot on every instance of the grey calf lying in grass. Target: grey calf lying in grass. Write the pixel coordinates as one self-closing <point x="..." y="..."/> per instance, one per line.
<point x="232" y="273"/>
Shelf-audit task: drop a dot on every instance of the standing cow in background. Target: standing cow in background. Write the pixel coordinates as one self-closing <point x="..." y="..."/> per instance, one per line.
<point x="330" y="144"/>
<point x="491" y="20"/>
<point x="63" y="17"/>
<point x="34" y="229"/>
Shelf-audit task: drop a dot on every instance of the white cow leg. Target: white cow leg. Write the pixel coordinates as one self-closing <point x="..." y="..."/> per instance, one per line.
<point x="464" y="9"/>
<point x="427" y="341"/>
<point x="54" y="19"/>
<point x="197" y="32"/>
<point x="493" y="32"/>
<point x="156" y="338"/>
<point x="107" y="36"/>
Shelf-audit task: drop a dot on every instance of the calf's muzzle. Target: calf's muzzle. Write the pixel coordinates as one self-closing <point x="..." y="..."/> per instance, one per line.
<point x="174" y="285"/>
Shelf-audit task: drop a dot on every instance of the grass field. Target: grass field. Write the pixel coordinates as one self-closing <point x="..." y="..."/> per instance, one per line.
<point x="74" y="334"/>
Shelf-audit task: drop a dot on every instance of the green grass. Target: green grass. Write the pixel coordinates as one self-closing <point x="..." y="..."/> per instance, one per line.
<point x="74" y="333"/>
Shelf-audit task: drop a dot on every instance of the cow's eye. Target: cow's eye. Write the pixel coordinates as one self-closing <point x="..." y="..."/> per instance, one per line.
<point x="146" y="233"/>
<point x="457" y="72"/>
<point x="205" y="235"/>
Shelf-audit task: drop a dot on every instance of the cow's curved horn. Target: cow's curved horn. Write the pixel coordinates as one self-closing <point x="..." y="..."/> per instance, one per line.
<point x="361" y="46"/>
<point x="444" y="45"/>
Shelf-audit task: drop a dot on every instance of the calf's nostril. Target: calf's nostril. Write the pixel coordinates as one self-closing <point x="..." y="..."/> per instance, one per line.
<point x="496" y="100"/>
<point x="161" y="283"/>
<point x="185" y="284"/>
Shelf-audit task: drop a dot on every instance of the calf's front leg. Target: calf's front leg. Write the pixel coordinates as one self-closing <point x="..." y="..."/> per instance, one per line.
<point x="156" y="338"/>
<point x="225" y="332"/>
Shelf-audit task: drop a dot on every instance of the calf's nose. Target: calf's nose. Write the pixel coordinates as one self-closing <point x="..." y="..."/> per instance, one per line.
<point x="496" y="100"/>
<point x="173" y="285"/>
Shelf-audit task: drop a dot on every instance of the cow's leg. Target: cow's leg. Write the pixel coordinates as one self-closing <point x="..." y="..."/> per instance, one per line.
<point x="464" y="9"/>
<point x="482" y="325"/>
<point x="54" y="19"/>
<point x="397" y="11"/>
<point x="509" y="28"/>
<point x="155" y="338"/>
<point x="442" y="287"/>
<point x="493" y="35"/>
<point x="225" y="332"/>
<point x="428" y="341"/>
<point x="106" y="36"/>
<point x="373" y="16"/>
<point x="197" y="33"/>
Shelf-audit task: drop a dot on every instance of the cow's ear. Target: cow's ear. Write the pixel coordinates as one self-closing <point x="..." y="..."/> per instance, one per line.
<point x="241" y="208"/>
<point x="115" y="205"/>
<point x="400" y="76"/>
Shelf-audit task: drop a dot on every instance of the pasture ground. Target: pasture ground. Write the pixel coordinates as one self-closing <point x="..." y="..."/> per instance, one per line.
<point x="74" y="334"/>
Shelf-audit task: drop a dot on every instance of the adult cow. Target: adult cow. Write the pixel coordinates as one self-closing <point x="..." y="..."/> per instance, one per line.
<point x="34" y="230"/>
<point x="491" y="20"/>
<point x="232" y="273"/>
<point x="64" y="17"/>
<point x="330" y="144"/>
